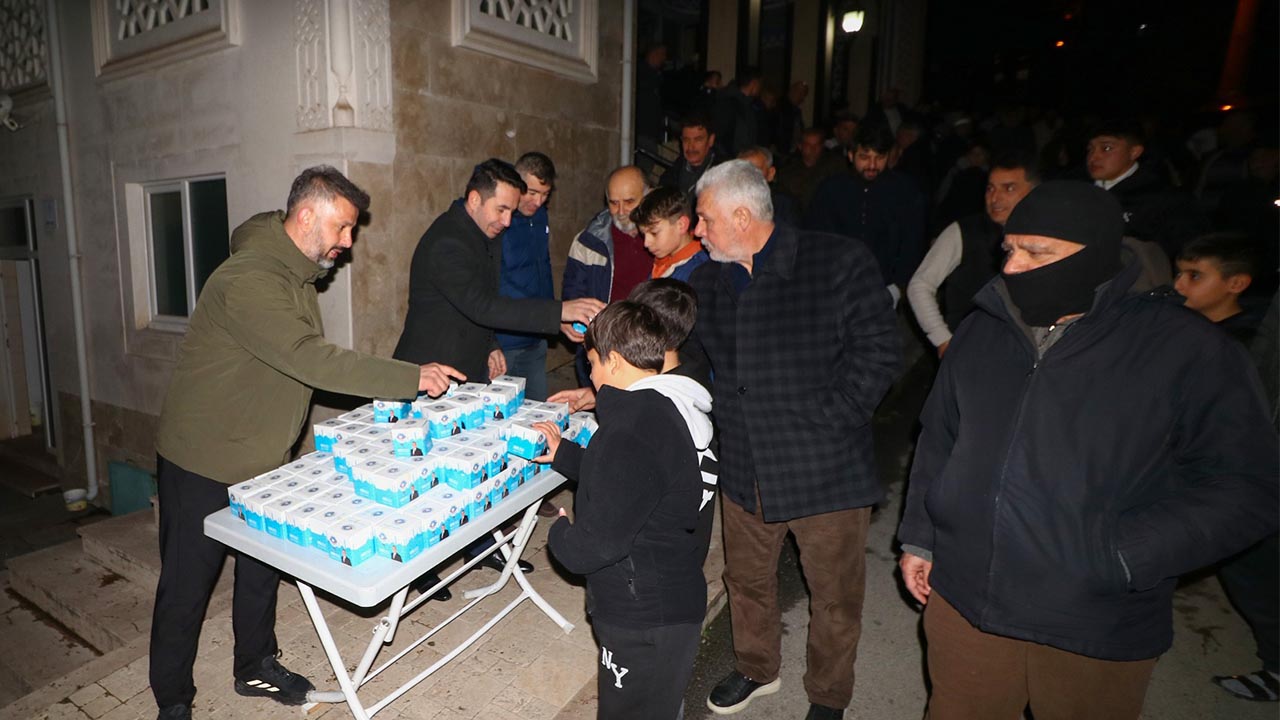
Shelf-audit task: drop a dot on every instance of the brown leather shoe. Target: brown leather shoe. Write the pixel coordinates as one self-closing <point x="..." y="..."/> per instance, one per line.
<point x="547" y="510"/>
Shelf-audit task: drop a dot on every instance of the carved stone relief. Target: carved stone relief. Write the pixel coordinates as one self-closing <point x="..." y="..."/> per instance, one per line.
<point x="23" y="45"/>
<point x="555" y="35"/>
<point x="134" y="35"/>
<point x="343" y="54"/>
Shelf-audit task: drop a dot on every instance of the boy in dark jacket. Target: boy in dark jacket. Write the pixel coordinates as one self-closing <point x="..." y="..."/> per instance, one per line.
<point x="637" y="507"/>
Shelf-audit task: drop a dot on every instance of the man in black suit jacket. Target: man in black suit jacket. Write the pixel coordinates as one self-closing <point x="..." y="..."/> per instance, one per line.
<point x="454" y="304"/>
<point x="801" y="337"/>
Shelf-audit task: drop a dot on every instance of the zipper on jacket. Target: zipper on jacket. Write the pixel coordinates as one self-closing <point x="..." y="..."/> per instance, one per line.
<point x="1037" y="358"/>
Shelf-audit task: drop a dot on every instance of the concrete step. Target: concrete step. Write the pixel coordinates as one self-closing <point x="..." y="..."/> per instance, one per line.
<point x="101" y="606"/>
<point x="128" y="545"/>
<point x="24" y="628"/>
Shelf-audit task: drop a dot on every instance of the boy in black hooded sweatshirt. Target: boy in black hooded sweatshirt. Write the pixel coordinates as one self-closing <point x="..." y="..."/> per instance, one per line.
<point x="637" y="506"/>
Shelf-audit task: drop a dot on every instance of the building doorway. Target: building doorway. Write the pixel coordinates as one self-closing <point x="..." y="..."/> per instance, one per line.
<point x="26" y="403"/>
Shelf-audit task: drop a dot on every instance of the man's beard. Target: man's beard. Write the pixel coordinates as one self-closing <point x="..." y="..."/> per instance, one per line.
<point x="625" y="225"/>
<point x="316" y="243"/>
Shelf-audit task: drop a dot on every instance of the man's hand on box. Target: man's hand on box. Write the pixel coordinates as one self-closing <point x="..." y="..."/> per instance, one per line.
<point x="497" y="364"/>
<point x="551" y="432"/>
<point x="578" y="398"/>
<point x="433" y="378"/>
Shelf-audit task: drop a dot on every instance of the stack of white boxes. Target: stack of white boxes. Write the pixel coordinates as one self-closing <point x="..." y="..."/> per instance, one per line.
<point x="393" y="478"/>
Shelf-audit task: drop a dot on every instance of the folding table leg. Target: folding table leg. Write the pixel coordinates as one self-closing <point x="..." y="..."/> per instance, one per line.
<point x="331" y="651"/>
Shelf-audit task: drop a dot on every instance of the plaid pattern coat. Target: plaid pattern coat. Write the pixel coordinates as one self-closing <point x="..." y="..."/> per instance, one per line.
<point x="800" y="359"/>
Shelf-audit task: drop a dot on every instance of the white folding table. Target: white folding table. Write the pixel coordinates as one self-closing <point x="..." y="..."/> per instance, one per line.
<point x="378" y="578"/>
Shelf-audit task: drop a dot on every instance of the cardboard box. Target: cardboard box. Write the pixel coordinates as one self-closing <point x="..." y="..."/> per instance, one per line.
<point x="432" y="521"/>
<point x="399" y="537"/>
<point x="495" y="454"/>
<point x="305" y="517"/>
<point x="351" y="541"/>
<point x="560" y="411"/>
<point x="514" y="382"/>
<point x="424" y="473"/>
<point x="390" y="411"/>
<point x="525" y="441"/>
<point x="410" y="438"/>
<point x="393" y="484"/>
<point x="362" y="472"/>
<point x="238" y="492"/>
<point x="470" y="410"/>
<point x="452" y="503"/>
<point x="319" y="523"/>
<point x="342" y="452"/>
<point x="273" y="477"/>
<point x="442" y="419"/>
<point x="587" y="426"/>
<point x="500" y="401"/>
<point x="255" y="505"/>
<point x="467" y="468"/>
<point x="326" y="433"/>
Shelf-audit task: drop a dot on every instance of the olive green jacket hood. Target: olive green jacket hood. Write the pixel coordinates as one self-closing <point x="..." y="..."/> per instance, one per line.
<point x="253" y="352"/>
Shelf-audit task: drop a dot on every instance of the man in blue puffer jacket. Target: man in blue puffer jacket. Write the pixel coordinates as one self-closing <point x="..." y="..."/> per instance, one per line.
<point x="1083" y="446"/>
<point x="526" y="269"/>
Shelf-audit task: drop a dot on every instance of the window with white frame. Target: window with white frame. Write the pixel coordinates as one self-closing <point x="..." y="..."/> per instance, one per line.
<point x="187" y="237"/>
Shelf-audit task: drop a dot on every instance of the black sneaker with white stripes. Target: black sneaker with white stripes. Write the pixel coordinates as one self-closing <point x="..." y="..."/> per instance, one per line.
<point x="271" y="679"/>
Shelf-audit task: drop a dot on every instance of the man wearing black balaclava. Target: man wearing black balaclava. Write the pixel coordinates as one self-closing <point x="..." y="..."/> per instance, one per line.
<point x="1083" y="446"/>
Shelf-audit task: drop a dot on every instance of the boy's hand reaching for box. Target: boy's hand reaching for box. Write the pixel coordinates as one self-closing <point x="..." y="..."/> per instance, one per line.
<point x="552" y="433"/>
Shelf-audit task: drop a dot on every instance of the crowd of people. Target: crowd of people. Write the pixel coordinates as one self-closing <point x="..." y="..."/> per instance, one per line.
<point x="1096" y="428"/>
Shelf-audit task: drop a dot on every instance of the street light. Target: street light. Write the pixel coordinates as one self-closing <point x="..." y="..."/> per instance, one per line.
<point x="852" y="21"/>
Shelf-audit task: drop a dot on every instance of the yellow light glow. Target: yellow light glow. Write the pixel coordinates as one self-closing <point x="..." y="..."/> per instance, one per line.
<point x="1225" y="108"/>
<point x="852" y="21"/>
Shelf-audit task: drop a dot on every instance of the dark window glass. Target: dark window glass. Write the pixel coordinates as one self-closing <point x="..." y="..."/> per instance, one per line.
<point x="210" y="233"/>
<point x="167" y="253"/>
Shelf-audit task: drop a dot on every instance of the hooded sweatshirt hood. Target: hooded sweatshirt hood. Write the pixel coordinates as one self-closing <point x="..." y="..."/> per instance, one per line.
<point x="691" y="400"/>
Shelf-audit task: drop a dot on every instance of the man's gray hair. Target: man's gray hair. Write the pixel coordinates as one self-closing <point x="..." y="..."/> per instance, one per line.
<point x="760" y="150"/>
<point x="738" y="183"/>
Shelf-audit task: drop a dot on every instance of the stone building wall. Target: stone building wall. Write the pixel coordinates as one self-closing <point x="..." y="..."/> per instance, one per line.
<point x="455" y="107"/>
<point x="238" y="110"/>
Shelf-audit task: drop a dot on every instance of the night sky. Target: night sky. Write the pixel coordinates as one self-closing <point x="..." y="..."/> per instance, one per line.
<point x="1117" y="56"/>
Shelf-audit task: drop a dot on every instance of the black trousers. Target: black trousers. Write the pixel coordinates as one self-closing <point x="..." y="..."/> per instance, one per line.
<point x="1252" y="581"/>
<point x="643" y="672"/>
<point x="190" y="565"/>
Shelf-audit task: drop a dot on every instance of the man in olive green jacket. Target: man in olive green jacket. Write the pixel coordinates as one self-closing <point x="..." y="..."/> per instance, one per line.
<point x="237" y="402"/>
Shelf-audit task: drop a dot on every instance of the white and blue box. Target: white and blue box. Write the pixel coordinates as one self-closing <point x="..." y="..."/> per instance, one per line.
<point x="424" y="473"/>
<point x="390" y="411"/>
<point x="588" y="426"/>
<point x="255" y="505"/>
<point x="431" y="518"/>
<point x="525" y="440"/>
<point x="393" y="484"/>
<point x="466" y="468"/>
<point x="277" y="514"/>
<point x="304" y="518"/>
<point x="362" y="472"/>
<point x="560" y="411"/>
<point x="495" y="454"/>
<point x="318" y="525"/>
<point x="326" y="433"/>
<point x="470" y="410"/>
<point x="399" y="537"/>
<point x="516" y="383"/>
<point x="410" y="438"/>
<point x="500" y="401"/>
<point x="342" y="452"/>
<point x="351" y="541"/>
<point x="452" y="503"/>
<point x="238" y="492"/>
<point x="442" y="419"/>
